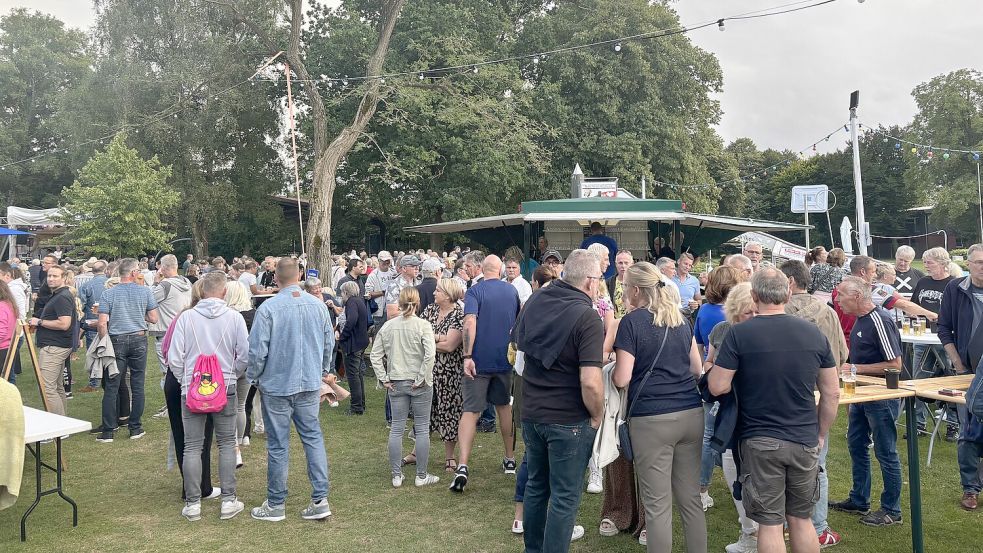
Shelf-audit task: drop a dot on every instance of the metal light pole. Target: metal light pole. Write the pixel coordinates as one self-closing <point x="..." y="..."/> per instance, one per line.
<point x="862" y="230"/>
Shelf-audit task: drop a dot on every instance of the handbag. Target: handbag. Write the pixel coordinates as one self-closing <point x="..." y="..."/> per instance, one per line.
<point x="624" y="438"/>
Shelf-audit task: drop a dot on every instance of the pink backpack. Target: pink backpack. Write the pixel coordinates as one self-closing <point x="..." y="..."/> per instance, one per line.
<point x="206" y="392"/>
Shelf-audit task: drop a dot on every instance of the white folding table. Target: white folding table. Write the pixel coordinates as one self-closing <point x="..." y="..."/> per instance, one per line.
<point x="40" y="426"/>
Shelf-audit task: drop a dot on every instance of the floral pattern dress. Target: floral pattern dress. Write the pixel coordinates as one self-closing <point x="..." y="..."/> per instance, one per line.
<point x="825" y="277"/>
<point x="448" y="372"/>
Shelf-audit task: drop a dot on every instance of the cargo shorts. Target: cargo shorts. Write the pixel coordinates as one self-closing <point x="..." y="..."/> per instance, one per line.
<point x="779" y="478"/>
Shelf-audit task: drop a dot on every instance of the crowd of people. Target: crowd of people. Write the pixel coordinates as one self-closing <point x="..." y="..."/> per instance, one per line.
<point x="715" y="369"/>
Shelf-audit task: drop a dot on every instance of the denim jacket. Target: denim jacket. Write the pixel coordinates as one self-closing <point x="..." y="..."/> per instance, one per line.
<point x="290" y="344"/>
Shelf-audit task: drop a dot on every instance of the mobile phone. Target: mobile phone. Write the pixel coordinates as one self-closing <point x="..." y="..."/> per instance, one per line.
<point x="950" y="392"/>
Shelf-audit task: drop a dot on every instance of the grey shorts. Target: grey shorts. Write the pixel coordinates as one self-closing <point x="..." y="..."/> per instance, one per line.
<point x="778" y="479"/>
<point x="484" y="389"/>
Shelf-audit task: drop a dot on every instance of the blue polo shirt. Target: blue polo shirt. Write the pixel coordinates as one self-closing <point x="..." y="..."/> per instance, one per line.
<point x="688" y="288"/>
<point x="496" y="304"/>
<point x="127" y="305"/>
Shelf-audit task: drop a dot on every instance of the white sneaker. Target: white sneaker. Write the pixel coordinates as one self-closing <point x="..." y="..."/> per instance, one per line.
<point x="192" y="511"/>
<point x="231" y="508"/>
<point x="706" y="499"/>
<point x="238" y="459"/>
<point x="594" y="484"/>
<point x="245" y="440"/>
<point x="397" y="480"/>
<point x="258" y="428"/>
<point x="517" y="527"/>
<point x="216" y="492"/>
<point x="426" y="480"/>
<point x="643" y="538"/>
<point x="746" y="543"/>
<point x="578" y="532"/>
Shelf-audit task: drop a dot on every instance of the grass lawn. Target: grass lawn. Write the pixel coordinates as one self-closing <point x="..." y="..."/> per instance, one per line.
<point x="128" y="501"/>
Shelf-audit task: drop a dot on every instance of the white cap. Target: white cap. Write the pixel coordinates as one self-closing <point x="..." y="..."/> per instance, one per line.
<point x="385" y="255"/>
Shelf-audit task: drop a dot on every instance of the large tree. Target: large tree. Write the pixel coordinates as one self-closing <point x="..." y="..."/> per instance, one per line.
<point x="39" y="59"/>
<point x="950" y="115"/>
<point x="119" y="204"/>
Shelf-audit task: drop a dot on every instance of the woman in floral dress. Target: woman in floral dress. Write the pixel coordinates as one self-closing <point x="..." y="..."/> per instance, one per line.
<point x="446" y="317"/>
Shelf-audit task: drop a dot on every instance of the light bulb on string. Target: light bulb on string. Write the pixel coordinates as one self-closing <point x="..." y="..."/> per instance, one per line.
<point x="344" y="82"/>
<point x="914" y="151"/>
<point x="382" y="80"/>
<point x="617" y="47"/>
<point x="897" y="145"/>
<point x="945" y="155"/>
<point x="474" y="70"/>
<point x="535" y="60"/>
<point x="976" y="156"/>
<point x="720" y="24"/>
<point x="420" y="76"/>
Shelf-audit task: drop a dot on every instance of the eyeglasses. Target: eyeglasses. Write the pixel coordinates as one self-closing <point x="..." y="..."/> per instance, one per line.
<point x="596" y="277"/>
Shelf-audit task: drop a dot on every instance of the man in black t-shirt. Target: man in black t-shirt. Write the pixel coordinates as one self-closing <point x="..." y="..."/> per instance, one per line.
<point x="773" y="363"/>
<point x="55" y="326"/>
<point x="562" y="339"/>
<point x="905" y="276"/>
<point x="875" y="346"/>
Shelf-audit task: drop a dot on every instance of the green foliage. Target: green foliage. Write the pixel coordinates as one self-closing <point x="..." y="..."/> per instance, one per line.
<point x="39" y="58"/>
<point x="119" y="204"/>
<point x="950" y="113"/>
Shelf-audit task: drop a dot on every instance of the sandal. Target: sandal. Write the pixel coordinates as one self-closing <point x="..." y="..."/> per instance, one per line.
<point x="409" y="459"/>
<point x="608" y="528"/>
<point x="450" y="465"/>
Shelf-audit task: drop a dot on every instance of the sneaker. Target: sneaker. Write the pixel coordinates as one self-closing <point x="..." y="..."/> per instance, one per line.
<point x="245" y="440"/>
<point x="517" y="527"/>
<point x="350" y="413"/>
<point x="397" y="480"/>
<point x="847" y="506"/>
<point x="137" y="434"/>
<point x="426" y="480"/>
<point x="105" y="437"/>
<point x="643" y="538"/>
<point x="460" y="479"/>
<point x="192" y="511"/>
<point x="161" y="413"/>
<point x="316" y="510"/>
<point x="706" y="500"/>
<point x="578" y="532"/>
<point x="267" y="512"/>
<point x="216" y="493"/>
<point x="231" y="508"/>
<point x="100" y="429"/>
<point x="746" y="543"/>
<point x="951" y="433"/>
<point x="486" y="426"/>
<point x="594" y="484"/>
<point x="258" y="428"/>
<point x="68" y="395"/>
<point x="880" y="517"/>
<point x="828" y="538"/>
<point x="508" y="465"/>
<point x="238" y="459"/>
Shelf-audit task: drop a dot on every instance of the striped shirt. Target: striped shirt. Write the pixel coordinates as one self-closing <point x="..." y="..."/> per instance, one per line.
<point x="874" y="338"/>
<point x="127" y="306"/>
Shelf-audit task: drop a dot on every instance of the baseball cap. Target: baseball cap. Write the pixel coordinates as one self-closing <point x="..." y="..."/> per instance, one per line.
<point x="385" y="255"/>
<point x="432" y="266"/>
<point x="409" y="261"/>
<point x="553" y="253"/>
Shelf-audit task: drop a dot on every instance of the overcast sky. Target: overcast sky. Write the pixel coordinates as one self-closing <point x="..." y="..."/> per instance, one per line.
<point x="787" y="78"/>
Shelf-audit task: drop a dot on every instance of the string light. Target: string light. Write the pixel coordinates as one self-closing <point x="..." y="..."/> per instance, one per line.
<point x="720" y="25"/>
<point x="929" y="149"/>
<point x="617" y="47"/>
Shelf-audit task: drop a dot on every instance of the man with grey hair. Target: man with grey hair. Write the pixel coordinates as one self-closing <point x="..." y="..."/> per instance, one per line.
<point x="961" y="334"/>
<point x="742" y="263"/>
<point x="172" y="292"/>
<point x="562" y="339"/>
<point x="754" y="251"/>
<point x="773" y="362"/>
<point x="875" y="346"/>
<point x="409" y="268"/>
<point x="124" y="313"/>
<point x="431" y="269"/>
<point x="905" y="276"/>
<point x="490" y="309"/>
<point x="472" y="266"/>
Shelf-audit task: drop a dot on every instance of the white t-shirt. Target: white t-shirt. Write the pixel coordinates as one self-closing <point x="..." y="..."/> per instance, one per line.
<point x="378" y="281"/>
<point x="248" y="280"/>
<point x="523" y="287"/>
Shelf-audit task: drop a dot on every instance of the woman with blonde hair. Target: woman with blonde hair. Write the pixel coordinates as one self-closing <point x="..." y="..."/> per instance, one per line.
<point x="738" y="308"/>
<point x="657" y="359"/>
<point x="408" y="345"/>
<point x="238" y="300"/>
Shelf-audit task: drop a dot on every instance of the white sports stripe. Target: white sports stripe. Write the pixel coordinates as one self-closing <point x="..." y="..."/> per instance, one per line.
<point x="886" y="347"/>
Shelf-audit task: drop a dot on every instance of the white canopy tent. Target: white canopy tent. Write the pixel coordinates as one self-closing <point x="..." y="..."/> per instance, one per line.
<point x="23" y="217"/>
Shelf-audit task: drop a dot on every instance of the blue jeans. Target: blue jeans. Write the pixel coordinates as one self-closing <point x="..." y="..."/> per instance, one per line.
<point x="131" y="356"/>
<point x="556" y="455"/>
<point x="488" y="415"/>
<point x="302" y="409"/>
<point x="821" y="511"/>
<point x="90" y="337"/>
<point x="877" y="418"/>
<point x="710" y="456"/>
<point x="968" y="453"/>
<point x="403" y="397"/>
<point x="521" y="478"/>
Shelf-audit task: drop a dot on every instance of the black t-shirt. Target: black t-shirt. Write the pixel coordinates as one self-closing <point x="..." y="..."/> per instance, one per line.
<point x="60" y="304"/>
<point x="777" y="360"/>
<point x="267" y="280"/>
<point x="671" y="387"/>
<point x="905" y="282"/>
<point x="553" y="395"/>
<point x="348" y="278"/>
<point x="874" y="338"/>
<point x="928" y="293"/>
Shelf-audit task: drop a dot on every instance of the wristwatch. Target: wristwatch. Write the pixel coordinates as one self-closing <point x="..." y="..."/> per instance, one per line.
<point x="466" y="356"/>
